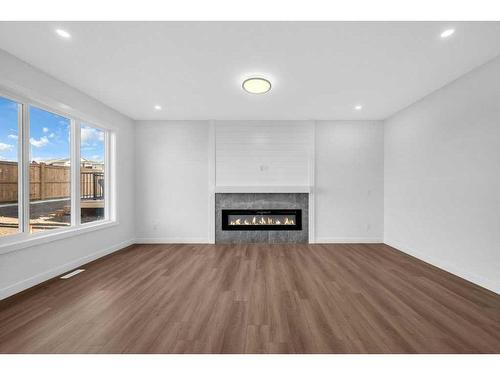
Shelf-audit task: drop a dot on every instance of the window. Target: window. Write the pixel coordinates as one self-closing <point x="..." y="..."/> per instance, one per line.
<point x="54" y="172"/>
<point x="92" y="179"/>
<point x="9" y="172"/>
<point x="49" y="171"/>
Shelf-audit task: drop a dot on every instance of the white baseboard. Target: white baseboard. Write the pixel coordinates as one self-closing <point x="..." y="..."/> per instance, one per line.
<point x="204" y="240"/>
<point x="492" y="285"/>
<point x="171" y="240"/>
<point x="44" y="276"/>
<point x="320" y="240"/>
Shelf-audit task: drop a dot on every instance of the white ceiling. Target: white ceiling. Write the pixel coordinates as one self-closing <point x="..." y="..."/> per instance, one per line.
<point x="194" y="70"/>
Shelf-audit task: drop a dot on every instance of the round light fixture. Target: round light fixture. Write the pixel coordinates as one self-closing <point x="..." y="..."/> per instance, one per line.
<point x="359" y="107"/>
<point x="256" y="85"/>
<point x="157" y="107"/>
<point x="447" y="33"/>
<point x="63" y="33"/>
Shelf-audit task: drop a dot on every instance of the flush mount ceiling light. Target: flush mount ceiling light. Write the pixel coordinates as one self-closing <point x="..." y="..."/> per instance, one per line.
<point x="447" y="33"/>
<point x="359" y="107"/>
<point x="158" y="107"/>
<point x="63" y="33"/>
<point x="256" y="85"/>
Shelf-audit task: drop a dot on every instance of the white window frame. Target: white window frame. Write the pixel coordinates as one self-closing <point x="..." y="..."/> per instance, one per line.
<point x="23" y="238"/>
<point x="109" y="185"/>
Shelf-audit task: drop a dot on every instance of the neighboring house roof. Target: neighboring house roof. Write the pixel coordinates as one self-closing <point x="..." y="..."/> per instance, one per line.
<point x="66" y="161"/>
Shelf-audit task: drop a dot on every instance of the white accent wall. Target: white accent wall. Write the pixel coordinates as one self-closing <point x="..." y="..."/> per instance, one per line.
<point x="180" y="163"/>
<point x="349" y="186"/>
<point x="23" y="268"/>
<point x="264" y="153"/>
<point x="442" y="178"/>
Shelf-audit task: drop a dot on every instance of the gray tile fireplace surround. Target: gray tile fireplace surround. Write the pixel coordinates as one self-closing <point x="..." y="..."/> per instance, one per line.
<point x="262" y="201"/>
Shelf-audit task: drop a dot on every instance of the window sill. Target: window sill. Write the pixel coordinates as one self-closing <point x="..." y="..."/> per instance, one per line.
<point x="22" y="241"/>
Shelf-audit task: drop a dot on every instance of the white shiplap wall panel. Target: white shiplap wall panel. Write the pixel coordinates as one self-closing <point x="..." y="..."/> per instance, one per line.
<point x="263" y="152"/>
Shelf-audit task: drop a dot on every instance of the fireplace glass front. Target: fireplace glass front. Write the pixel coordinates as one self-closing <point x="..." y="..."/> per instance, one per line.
<point x="279" y="219"/>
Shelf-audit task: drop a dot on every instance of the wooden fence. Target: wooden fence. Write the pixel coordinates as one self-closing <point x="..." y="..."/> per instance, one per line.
<point x="8" y="181"/>
<point x="49" y="182"/>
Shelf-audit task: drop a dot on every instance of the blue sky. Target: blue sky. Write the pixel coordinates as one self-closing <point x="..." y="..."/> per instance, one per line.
<point x="49" y="135"/>
<point x="92" y="143"/>
<point x="8" y="130"/>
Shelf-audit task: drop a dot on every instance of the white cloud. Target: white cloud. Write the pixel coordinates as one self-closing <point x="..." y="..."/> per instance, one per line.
<point x="43" y="141"/>
<point x="12" y="136"/>
<point x="5" y="147"/>
<point x="91" y="134"/>
<point x="52" y="135"/>
<point x="45" y="130"/>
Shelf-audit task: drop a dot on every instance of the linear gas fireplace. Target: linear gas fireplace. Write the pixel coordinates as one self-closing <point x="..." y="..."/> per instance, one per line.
<point x="281" y="219"/>
<point x="242" y="218"/>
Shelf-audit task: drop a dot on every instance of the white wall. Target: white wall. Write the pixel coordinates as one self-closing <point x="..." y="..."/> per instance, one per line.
<point x="26" y="267"/>
<point x="263" y="153"/>
<point x="179" y="155"/>
<point x="172" y="181"/>
<point x="442" y="178"/>
<point x="349" y="185"/>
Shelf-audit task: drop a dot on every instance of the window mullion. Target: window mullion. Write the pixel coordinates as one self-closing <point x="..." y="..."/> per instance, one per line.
<point x="20" y="166"/>
<point x="107" y="185"/>
<point x="25" y="170"/>
<point x="75" y="173"/>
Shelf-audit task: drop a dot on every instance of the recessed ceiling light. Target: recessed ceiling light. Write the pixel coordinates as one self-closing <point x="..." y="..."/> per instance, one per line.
<point x="359" y="107"/>
<point x="447" y="33"/>
<point x="158" y="107"/>
<point x="63" y="33"/>
<point x="256" y="85"/>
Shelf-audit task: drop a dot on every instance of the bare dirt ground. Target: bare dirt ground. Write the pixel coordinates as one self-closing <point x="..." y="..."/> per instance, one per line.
<point x="9" y="225"/>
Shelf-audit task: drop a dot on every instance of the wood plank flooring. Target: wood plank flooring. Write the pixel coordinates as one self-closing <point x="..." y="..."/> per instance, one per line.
<point x="254" y="299"/>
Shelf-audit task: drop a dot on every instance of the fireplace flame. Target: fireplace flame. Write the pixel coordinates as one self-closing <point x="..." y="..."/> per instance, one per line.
<point x="262" y="221"/>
